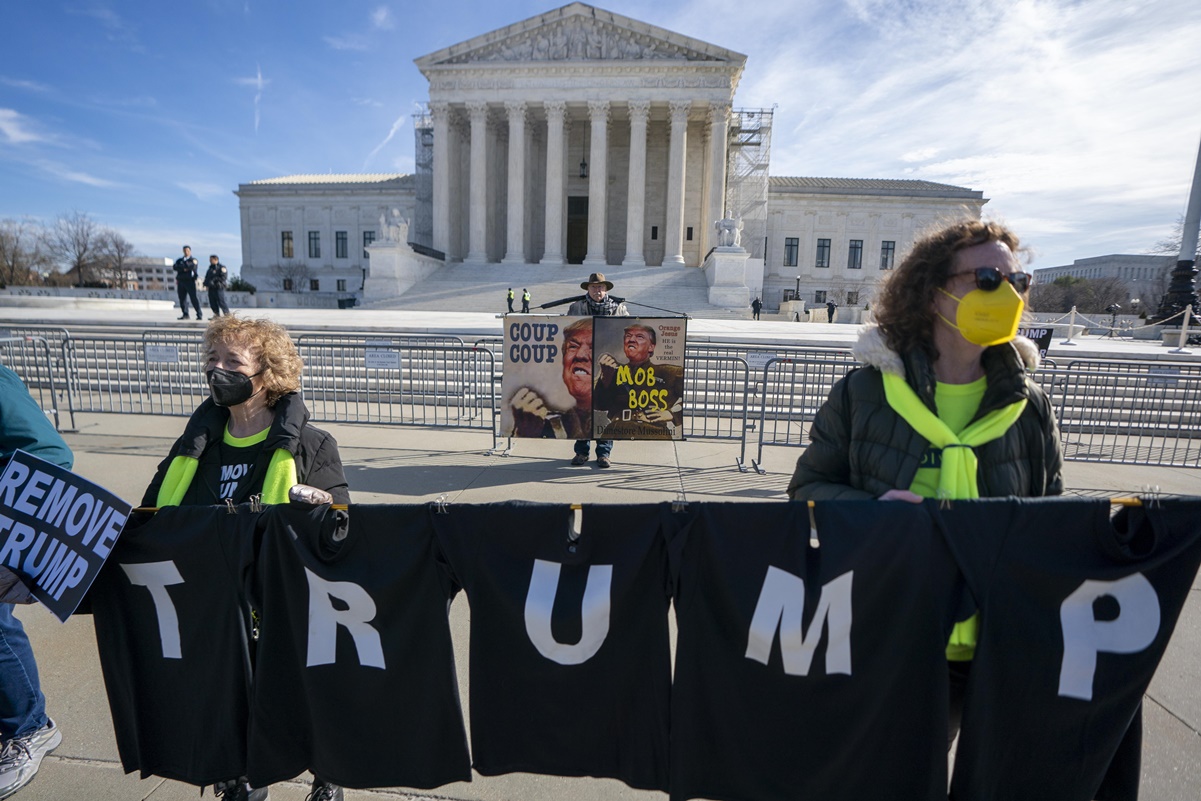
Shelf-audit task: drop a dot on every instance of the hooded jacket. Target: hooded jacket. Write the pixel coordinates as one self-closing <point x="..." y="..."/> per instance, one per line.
<point x="860" y="447"/>
<point x="315" y="451"/>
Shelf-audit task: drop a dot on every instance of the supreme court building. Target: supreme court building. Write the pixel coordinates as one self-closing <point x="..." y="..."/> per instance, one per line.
<point x="580" y="136"/>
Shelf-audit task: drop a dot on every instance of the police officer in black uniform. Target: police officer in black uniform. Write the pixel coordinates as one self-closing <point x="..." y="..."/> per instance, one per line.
<point x="185" y="283"/>
<point x="216" y="280"/>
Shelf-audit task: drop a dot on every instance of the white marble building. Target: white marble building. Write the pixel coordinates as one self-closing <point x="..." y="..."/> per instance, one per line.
<point x="579" y="136"/>
<point x="1146" y="277"/>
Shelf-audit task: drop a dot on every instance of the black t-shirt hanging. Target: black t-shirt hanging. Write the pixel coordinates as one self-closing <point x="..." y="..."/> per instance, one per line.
<point x="355" y="673"/>
<point x="1075" y="615"/>
<point x="172" y="637"/>
<point x="811" y="672"/>
<point x="234" y="469"/>
<point x="570" y="660"/>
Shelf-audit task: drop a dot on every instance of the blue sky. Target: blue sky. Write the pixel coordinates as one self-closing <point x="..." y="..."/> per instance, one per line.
<point x="1080" y="120"/>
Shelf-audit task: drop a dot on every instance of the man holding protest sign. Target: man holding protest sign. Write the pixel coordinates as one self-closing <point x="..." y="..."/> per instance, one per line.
<point x="596" y="303"/>
<point x="27" y="732"/>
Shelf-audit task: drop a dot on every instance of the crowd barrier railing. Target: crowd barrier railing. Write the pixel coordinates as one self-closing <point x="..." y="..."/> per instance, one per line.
<point x="1116" y="411"/>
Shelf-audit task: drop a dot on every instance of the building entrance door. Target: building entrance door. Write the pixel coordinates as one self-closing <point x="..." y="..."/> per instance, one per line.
<point x="577" y="229"/>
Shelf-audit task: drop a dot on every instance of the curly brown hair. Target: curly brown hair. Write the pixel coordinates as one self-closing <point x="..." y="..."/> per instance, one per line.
<point x="904" y="306"/>
<point x="269" y="343"/>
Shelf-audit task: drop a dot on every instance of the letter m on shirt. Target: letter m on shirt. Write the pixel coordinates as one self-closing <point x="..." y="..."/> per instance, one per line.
<point x="781" y="608"/>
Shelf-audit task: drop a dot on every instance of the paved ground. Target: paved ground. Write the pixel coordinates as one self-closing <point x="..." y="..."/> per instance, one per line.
<point x="403" y="465"/>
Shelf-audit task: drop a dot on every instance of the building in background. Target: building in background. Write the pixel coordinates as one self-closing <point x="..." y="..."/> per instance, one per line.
<point x="150" y="273"/>
<point x="584" y="137"/>
<point x="1146" y="277"/>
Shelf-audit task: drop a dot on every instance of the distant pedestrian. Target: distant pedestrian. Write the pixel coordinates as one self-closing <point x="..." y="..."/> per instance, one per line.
<point x="525" y="301"/>
<point x="215" y="281"/>
<point x="185" y="283"/>
<point x="510" y="298"/>
<point x="756" y="307"/>
<point x="831" y="307"/>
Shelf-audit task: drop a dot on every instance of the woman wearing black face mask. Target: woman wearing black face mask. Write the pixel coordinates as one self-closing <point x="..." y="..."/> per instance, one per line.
<point x="251" y="436"/>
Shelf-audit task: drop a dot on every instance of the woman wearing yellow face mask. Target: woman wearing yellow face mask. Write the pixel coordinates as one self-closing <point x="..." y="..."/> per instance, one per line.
<point x="943" y="367"/>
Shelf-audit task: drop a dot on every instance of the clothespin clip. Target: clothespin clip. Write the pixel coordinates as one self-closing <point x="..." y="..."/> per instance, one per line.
<point x="229" y="506"/>
<point x="441" y="504"/>
<point x="256" y="503"/>
<point x="576" y="527"/>
<point x="680" y="504"/>
<point x="813" y="541"/>
<point x="944" y="500"/>
<point x="1153" y="495"/>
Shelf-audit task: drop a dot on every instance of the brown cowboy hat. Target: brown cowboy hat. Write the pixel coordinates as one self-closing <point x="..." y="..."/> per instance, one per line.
<point x="597" y="278"/>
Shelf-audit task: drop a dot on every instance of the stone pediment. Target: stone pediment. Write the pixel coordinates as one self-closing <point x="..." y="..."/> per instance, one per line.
<point x="579" y="32"/>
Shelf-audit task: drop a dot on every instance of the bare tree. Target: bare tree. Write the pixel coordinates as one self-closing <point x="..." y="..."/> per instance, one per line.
<point x="74" y="243"/>
<point x="113" y="254"/>
<point x="21" y="252"/>
<point x="1171" y="245"/>
<point x="291" y="276"/>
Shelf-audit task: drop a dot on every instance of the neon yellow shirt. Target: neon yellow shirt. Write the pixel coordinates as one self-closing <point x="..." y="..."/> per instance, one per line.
<point x="956" y="405"/>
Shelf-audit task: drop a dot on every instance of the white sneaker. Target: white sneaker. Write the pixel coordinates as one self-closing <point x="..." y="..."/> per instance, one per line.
<point x="21" y="757"/>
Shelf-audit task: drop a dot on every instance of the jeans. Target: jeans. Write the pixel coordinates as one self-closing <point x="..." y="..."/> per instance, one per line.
<point x="22" y="705"/>
<point x="603" y="447"/>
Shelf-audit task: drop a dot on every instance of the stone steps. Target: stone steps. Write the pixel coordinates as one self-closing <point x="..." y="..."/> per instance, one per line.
<point x="482" y="287"/>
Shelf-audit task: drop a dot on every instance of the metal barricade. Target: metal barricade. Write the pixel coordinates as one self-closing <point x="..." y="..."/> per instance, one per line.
<point x="717" y="390"/>
<point x="1138" y="416"/>
<point x="393" y="381"/>
<point x="30" y="358"/>
<point x="791" y="392"/>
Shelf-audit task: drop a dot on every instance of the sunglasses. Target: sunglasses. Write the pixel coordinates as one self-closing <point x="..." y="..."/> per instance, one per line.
<point x="989" y="279"/>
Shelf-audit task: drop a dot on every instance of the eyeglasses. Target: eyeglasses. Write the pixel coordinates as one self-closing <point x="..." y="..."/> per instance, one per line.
<point x="989" y="279"/>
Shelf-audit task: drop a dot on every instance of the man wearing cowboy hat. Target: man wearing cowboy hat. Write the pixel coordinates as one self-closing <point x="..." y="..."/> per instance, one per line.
<point x="596" y="303"/>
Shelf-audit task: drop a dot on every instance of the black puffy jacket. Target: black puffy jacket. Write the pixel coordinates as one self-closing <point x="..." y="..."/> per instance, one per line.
<point x="318" y="462"/>
<point x="860" y="447"/>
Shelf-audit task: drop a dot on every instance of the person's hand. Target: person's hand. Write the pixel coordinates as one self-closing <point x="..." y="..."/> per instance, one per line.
<point x="901" y="495"/>
<point x="607" y="360"/>
<point x="528" y="401"/>
<point x="311" y="496"/>
<point x="657" y="415"/>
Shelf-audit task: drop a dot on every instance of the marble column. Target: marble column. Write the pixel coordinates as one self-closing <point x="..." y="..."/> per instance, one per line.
<point x="555" y="111"/>
<point x="441" y="211"/>
<point x="515" y="238"/>
<point x="598" y="182"/>
<point x="719" y="127"/>
<point x="477" y="232"/>
<point x="636" y="200"/>
<point x="673" y="235"/>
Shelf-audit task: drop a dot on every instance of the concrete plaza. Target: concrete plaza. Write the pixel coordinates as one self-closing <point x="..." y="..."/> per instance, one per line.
<point x="415" y="465"/>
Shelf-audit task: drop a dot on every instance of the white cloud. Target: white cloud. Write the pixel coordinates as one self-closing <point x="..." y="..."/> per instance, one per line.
<point x="396" y="126"/>
<point x="66" y="173"/>
<point x="350" y="41"/>
<point x="17" y="129"/>
<point x="366" y="101"/>
<point x="204" y="191"/>
<point x="258" y="83"/>
<point x="381" y="19"/>
<point x="18" y="83"/>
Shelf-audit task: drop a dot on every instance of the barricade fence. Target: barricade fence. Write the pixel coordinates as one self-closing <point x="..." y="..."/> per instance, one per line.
<point x="1114" y="411"/>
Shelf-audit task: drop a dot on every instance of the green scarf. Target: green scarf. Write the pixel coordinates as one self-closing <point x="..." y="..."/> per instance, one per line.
<point x="957" y="476"/>
<point x="280" y="477"/>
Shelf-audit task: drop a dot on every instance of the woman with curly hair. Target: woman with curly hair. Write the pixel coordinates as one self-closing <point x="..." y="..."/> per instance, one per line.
<point x="943" y="406"/>
<point x="250" y="437"/>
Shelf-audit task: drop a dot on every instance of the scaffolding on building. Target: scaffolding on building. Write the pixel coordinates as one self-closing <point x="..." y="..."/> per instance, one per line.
<point x="747" y="160"/>
<point x="421" y="228"/>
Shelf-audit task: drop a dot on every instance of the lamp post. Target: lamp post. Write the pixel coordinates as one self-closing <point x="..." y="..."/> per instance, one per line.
<point x="797" y="296"/>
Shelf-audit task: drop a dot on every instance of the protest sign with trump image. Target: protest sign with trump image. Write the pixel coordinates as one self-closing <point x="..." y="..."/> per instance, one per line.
<point x="593" y="377"/>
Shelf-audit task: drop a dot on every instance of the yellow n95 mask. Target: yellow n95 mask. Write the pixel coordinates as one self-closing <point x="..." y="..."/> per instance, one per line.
<point x="987" y="317"/>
